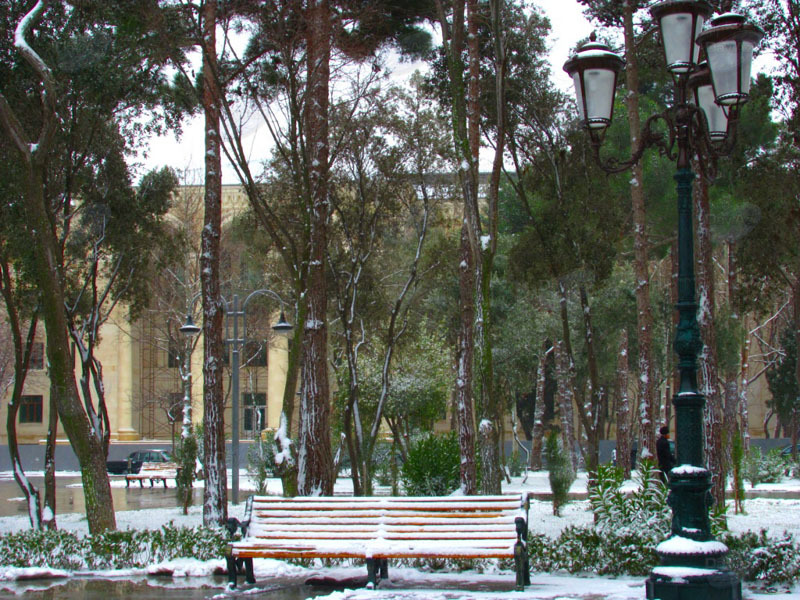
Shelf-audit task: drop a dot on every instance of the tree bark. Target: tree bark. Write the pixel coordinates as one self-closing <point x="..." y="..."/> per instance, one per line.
<point x="595" y="409"/>
<point x="640" y="248"/>
<point x="315" y="461"/>
<point x="537" y="435"/>
<point x="83" y="435"/>
<point x="623" y="408"/>
<point x="215" y="494"/>
<point x="716" y="436"/>
<point x="49" y="505"/>
<point x="565" y="402"/>
<point x="464" y="355"/>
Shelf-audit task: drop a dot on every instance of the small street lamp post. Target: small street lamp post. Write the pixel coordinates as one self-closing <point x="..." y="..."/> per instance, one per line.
<point x="236" y="340"/>
<point x="702" y="124"/>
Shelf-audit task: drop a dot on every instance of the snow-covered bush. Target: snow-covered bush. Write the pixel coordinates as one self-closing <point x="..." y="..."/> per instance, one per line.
<point x="432" y="466"/>
<point x="53" y="549"/>
<point x="586" y="550"/>
<point x="560" y="471"/>
<point x="757" y="557"/>
<point x="110" y="550"/>
<point x="768" y="468"/>
<point x="639" y="512"/>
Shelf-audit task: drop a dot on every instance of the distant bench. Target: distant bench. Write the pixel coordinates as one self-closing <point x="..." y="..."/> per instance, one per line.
<point x="154" y="471"/>
<point x="377" y="529"/>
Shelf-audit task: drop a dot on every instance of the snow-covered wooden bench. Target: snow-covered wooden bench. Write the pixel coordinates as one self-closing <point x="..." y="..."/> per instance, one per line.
<point x="377" y="529"/>
<point x="154" y="471"/>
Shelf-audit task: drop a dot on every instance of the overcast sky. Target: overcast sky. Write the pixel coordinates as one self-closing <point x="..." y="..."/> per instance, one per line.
<point x="186" y="153"/>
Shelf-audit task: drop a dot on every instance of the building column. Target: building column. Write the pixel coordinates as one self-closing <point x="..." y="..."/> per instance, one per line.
<point x="125" y="430"/>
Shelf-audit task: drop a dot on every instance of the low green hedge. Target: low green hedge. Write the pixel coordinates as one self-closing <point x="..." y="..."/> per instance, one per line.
<point x="110" y="550"/>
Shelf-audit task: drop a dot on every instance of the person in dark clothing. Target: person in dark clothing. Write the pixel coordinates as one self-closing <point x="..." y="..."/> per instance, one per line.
<point x="663" y="452"/>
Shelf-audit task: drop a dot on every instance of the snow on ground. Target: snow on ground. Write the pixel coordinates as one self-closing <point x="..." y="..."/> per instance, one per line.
<point x="776" y="514"/>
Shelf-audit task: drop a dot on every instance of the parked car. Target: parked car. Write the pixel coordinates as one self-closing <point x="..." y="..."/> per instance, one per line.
<point x="787" y="450"/>
<point x="135" y="459"/>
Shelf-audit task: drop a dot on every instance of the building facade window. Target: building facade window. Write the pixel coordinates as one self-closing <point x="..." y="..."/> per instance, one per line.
<point x="255" y="412"/>
<point x="37" y="356"/>
<point x="30" y="409"/>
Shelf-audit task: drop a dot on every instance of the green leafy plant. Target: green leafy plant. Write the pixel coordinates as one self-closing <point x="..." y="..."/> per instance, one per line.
<point x="186" y="457"/>
<point x="759" y="468"/>
<point x="738" y="469"/>
<point x="643" y="510"/>
<point x="261" y="461"/>
<point x="57" y="549"/>
<point x="757" y="557"/>
<point x="560" y="472"/>
<point x="432" y="466"/>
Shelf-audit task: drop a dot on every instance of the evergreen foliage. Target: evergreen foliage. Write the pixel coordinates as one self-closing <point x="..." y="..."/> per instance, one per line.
<point x="560" y="472"/>
<point x="760" y="468"/>
<point x="58" y="549"/>
<point x="641" y="512"/>
<point x="431" y="468"/>
<point x="186" y="457"/>
<point x="782" y="378"/>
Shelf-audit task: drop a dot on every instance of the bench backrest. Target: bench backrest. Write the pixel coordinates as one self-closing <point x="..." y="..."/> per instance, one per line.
<point x="433" y="517"/>
<point x="158" y="466"/>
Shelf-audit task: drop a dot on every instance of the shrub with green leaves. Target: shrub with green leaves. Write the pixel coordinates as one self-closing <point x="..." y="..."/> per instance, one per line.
<point x="186" y="457"/>
<point x="759" y="468"/>
<point x="58" y="549"/>
<point x="432" y="466"/>
<point x="643" y="510"/>
<point x="754" y="557"/>
<point x="560" y="472"/>
<point x="757" y="557"/>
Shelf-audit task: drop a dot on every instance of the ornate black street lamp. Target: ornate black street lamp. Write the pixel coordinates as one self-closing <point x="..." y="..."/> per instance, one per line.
<point x="701" y="124"/>
<point x="236" y="340"/>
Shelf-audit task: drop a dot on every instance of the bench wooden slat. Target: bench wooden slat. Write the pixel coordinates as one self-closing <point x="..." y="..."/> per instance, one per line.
<point x="386" y="535"/>
<point x="382" y="528"/>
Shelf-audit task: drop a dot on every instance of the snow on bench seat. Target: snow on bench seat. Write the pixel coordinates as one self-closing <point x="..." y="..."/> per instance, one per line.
<point x="154" y="471"/>
<point x="377" y="529"/>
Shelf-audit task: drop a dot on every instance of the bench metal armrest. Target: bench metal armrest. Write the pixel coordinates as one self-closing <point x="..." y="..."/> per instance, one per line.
<point x="233" y="523"/>
<point x="522" y="530"/>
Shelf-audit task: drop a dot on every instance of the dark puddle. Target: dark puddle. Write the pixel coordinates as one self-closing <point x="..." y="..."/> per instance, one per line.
<point x="150" y="587"/>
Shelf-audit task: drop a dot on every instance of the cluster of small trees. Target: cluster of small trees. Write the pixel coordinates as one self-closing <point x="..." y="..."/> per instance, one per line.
<point x="370" y="207"/>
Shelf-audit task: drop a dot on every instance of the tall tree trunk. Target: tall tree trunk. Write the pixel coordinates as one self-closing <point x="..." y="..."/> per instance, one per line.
<point x="674" y="375"/>
<point x="537" y="435"/>
<point x="565" y="403"/>
<point x="570" y="372"/>
<point x="744" y="351"/>
<point x="594" y="412"/>
<point x="795" y="416"/>
<point x="83" y="435"/>
<point x="22" y="355"/>
<point x="215" y="494"/>
<point x="84" y="438"/>
<point x="716" y="437"/>
<point x="49" y="506"/>
<point x="315" y="461"/>
<point x="644" y="315"/>
<point x="464" y="402"/>
<point x="623" y="408"/>
<point x="465" y="144"/>
<point x="492" y="413"/>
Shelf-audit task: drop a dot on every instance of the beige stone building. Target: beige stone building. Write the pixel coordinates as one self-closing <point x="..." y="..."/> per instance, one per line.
<point x="141" y="374"/>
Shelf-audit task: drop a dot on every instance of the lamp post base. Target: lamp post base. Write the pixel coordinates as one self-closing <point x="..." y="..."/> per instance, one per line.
<point x="680" y="583"/>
